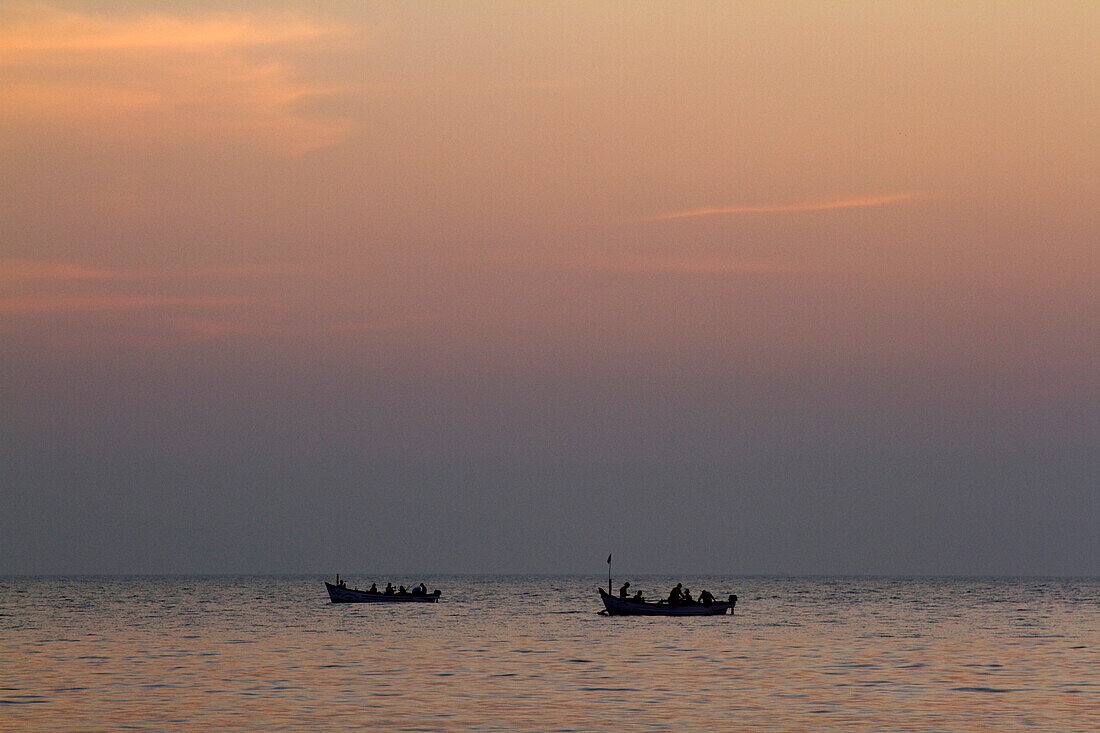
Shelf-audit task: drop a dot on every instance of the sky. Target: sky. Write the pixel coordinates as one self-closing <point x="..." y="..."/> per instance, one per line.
<point x="760" y="287"/>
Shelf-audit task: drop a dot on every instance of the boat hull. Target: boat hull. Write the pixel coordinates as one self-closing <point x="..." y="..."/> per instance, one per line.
<point x="627" y="607"/>
<point x="340" y="594"/>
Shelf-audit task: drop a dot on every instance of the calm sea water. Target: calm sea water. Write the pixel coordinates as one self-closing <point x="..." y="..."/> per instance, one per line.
<point x="531" y="653"/>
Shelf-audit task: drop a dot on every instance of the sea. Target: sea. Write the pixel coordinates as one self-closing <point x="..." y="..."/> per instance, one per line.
<point x="532" y="653"/>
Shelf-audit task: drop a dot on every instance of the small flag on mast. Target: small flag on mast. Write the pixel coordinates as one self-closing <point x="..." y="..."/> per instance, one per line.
<point x="609" y="559"/>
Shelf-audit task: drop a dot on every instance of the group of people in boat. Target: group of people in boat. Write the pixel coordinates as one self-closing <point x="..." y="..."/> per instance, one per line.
<point x="678" y="596"/>
<point x="416" y="590"/>
<point x="400" y="590"/>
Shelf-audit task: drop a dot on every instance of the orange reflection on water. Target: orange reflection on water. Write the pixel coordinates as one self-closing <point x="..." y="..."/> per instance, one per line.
<point x="278" y="656"/>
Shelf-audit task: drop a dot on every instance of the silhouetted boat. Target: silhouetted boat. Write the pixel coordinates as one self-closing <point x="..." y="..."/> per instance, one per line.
<point x="630" y="607"/>
<point x="340" y="593"/>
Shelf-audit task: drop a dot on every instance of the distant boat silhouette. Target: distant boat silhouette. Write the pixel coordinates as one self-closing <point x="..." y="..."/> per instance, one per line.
<point x="340" y="593"/>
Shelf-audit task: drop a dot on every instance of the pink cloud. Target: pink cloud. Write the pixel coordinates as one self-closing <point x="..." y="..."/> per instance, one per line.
<point x="850" y="203"/>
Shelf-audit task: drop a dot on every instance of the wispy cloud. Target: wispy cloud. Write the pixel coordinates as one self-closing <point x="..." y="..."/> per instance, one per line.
<point x="98" y="303"/>
<point x="64" y="275"/>
<point x="235" y="75"/>
<point x="62" y="286"/>
<point x="180" y="304"/>
<point x="16" y="273"/>
<point x="13" y="271"/>
<point x="848" y="203"/>
<point x="669" y="264"/>
<point x="40" y="28"/>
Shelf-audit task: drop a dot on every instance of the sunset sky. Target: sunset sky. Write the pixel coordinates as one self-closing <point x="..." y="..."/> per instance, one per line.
<point x="760" y="287"/>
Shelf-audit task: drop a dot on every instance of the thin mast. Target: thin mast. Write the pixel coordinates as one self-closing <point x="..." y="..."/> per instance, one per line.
<point x="609" y="592"/>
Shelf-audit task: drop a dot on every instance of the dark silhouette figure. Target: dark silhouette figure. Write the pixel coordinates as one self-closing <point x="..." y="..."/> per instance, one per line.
<point x="423" y="589"/>
<point x="638" y="597"/>
<point x="674" y="595"/>
<point x="686" y="597"/>
<point x="623" y="591"/>
<point x="401" y="591"/>
<point x="389" y="589"/>
<point x="733" y="602"/>
<point x="373" y="588"/>
<point x="706" y="598"/>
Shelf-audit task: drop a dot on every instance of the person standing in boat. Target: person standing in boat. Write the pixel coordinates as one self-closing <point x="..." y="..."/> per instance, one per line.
<point x="623" y="591"/>
<point x="674" y="595"/>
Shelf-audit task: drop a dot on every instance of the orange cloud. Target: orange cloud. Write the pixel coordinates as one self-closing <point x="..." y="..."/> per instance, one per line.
<point x="16" y="271"/>
<point x="35" y="273"/>
<point x="56" y="286"/>
<point x="45" y="291"/>
<point x="857" y="202"/>
<point x="50" y="30"/>
<point x="158" y="76"/>
<point x="91" y="303"/>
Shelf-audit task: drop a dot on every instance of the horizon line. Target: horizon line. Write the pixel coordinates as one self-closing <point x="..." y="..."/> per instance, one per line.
<point x="956" y="576"/>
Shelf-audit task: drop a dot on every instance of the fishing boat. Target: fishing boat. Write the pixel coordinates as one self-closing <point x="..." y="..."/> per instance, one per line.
<point x="627" y="606"/>
<point x="340" y="593"/>
<point x="630" y="607"/>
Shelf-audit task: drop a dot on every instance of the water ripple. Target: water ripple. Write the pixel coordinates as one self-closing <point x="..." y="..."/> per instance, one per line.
<point x="804" y="653"/>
